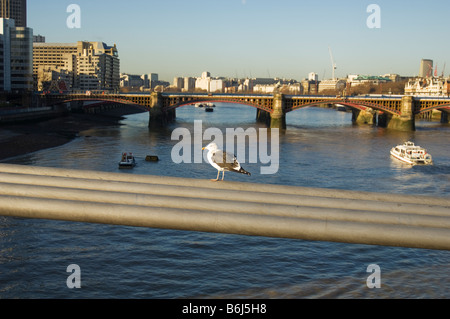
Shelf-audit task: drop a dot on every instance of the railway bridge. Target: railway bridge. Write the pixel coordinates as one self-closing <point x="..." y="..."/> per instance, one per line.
<point x="391" y="111"/>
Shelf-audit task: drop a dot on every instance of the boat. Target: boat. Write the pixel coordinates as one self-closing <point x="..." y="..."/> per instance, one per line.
<point x="127" y="161"/>
<point x="341" y="108"/>
<point x="411" y="154"/>
<point x="209" y="107"/>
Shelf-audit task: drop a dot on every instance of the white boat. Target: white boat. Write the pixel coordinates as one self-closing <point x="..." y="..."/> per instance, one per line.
<point x="411" y="154"/>
<point x="127" y="161"/>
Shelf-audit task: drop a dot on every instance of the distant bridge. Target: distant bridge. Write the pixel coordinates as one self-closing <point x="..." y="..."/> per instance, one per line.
<point x="398" y="111"/>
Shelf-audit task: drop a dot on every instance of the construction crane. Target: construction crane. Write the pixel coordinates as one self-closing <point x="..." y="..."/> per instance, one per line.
<point x="333" y="65"/>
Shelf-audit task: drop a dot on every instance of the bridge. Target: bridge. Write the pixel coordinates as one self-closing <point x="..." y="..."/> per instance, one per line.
<point x="277" y="211"/>
<point x="396" y="111"/>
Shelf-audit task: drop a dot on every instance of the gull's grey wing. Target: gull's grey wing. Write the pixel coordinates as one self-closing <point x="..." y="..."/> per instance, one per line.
<point x="226" y="160"/>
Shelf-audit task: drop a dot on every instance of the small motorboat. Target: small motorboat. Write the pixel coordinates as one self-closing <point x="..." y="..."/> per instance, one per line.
<point x="209" y="107"/>
<point x="127" y="161"/>
<point x="411" y="154"/>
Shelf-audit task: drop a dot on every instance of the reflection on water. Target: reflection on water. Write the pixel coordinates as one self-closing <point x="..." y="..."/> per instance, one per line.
<point x="321" y="148"/>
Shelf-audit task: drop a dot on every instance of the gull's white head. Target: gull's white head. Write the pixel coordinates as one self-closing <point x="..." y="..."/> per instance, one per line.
<point x="210" y="147"/>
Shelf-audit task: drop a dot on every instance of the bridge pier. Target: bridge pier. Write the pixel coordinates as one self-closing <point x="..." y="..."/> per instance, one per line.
<point x="364" y="116"/>
<point x="76" y="106"/>
<point x="406" y="120"/>
<point x="382" y="119"/>
<point x="158" y="117"/>
<point x="444" y="117"/>
<point x="263" y="116"/>
<point x="278" y="116"/>
<point x="437" y="115"/>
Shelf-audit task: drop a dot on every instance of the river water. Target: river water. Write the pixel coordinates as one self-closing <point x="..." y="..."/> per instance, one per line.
<point x="320" y="148"/>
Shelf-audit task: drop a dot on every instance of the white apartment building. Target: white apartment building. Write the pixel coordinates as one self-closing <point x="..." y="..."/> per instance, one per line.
<point x="217" y="85"/>
<point x="208" y="84"/>
<point x="203" y="83"/>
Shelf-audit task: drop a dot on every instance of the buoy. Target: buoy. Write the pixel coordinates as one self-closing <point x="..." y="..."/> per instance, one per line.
<point x="152" y="158"/>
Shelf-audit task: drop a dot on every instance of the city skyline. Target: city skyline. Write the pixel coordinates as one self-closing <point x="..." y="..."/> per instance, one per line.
<point x="250" y="38"/>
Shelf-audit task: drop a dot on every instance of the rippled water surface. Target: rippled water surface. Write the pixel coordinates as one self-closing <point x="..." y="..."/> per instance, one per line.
<point x="321" y="148"/>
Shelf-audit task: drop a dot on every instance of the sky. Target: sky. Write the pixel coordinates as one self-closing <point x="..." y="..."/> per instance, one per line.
<point x="256" y="38"/>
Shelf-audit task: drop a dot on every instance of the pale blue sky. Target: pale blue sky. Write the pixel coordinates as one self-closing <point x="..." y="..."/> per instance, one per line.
<point x="258" y="38"/>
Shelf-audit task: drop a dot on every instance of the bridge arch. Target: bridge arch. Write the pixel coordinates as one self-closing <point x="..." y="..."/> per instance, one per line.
<point x="265" y="107"/>
<point x="442" y="107"/>
<point x="357" y="105"/>
<point x="364" y="106"/>
<point x="105" y="99"/>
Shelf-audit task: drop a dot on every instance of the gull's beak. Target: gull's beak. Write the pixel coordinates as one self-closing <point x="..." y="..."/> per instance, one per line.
<point x="204" y="148"/>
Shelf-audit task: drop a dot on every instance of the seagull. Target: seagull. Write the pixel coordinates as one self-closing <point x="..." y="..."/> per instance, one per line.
<point x="223" y="161"/>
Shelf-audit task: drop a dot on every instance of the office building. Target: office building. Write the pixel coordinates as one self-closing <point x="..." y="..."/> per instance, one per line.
<point x="16" y="57"/>
<point x="356" y="80"/>
<point x="38" y="38"/>
<point x="332" y="85"/>
<point x="178" y="83"/>
<point x="189" y="84"/>
<point x="313" y="77"/>
<point x="426" y="68"/>
<point x="431" y="86"/>
<point x="14" y="9"/>
<point x="91" y="65"/>
<point x="132" y="80"/>
<point x="154" y="77"/>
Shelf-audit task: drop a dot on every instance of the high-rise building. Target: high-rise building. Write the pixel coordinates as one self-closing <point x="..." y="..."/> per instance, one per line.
<point x="178" y="82"/>
<point x="154" y="77"/>
<point x="14" y="9"/>
<point x="16" y="57"/>
<point x="92" y="65"/>
<point x="189" y="84"/>
<point x="38" y="38"/>
<point x="426" y="68"/>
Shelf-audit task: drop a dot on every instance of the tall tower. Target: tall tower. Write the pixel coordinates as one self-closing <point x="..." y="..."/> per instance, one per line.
<point x="426" y="68"/>
<point x="14" y="9"/>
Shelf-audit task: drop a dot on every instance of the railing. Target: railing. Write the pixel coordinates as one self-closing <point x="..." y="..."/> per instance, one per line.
<point x="225" y="207"/>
